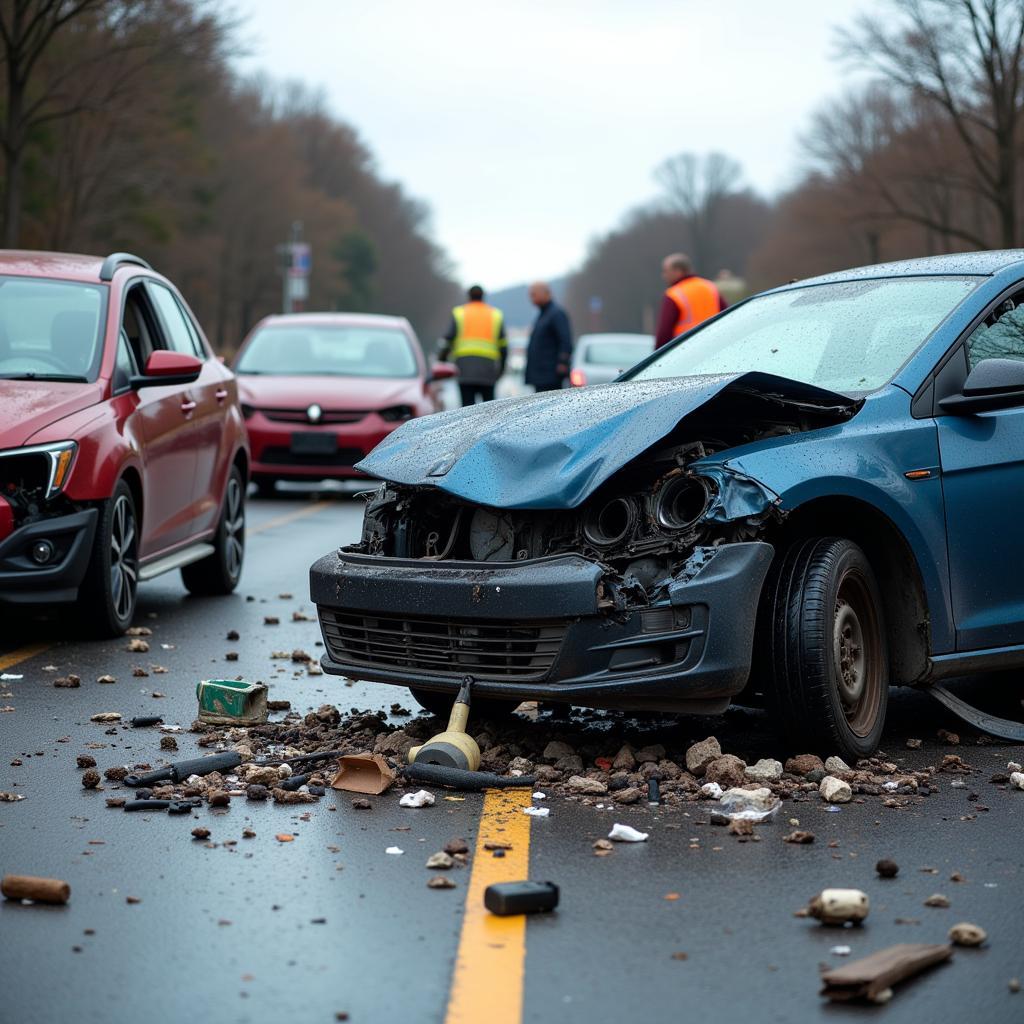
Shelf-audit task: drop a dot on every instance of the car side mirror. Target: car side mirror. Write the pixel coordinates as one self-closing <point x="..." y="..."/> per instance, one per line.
<point x="992" y="384"/>
<point x="442" y="371"/>
<point x="164" y="367"/>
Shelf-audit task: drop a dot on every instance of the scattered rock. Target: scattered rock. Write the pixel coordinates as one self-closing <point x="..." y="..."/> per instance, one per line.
<point x="200" y="833"/>
<point x="256" y="791"/>
<point x="913" y="744"/>
<point x="765" y="770"/>
<point x="69" y="682"/>
<point x="168" y="743"/>
<point x="839" y="906"/>
<point x="887" y="868"/>
<point x="456" y="846"/>
<point x="233" y="635"/>
<point x="91" y="779"/>
<point x="271" y="620"/>
<point x="440" y="861"/>
<point x="440" y="882"/>
<point x="937" y="900"/>
<point x="360" y="803"/>
<point x="966" y="934"/>
<point x="835" y="791"/>
<point x="836" y="766"/>
<point x="106" y="716"/>
<point x="137" y="646"/>
<point x="86" y="761"/>
<point x="292" y="796"/>
<point x="711" y="791"/>
<point x="629" y="795"/>
<point x="218" y="798"/>
<point x="799" y="837"/>
<point x="651" y="754"/>
<point x="581" y="784"/>
<point x="624" y="761"/>
<point x="1017" y="780"/>
<point x="804" y="763"/>
<point x="728" y="771"/>
<point x="701" y="754"/>
<point x="602" y="847"/>
<point x="741" y="827"/>
<point x="951" y="739"/>
<point x="556" y="749"/>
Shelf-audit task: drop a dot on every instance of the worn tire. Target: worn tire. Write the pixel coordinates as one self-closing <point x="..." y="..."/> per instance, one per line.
<point x="108" y="593"/>
<point x="220" y="572"/>
<point x="824" y="649"/>
<point x="440" y="704"/>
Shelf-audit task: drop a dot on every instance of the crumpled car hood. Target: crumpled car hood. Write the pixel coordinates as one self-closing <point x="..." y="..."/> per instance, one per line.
<point x="554" y="449"/>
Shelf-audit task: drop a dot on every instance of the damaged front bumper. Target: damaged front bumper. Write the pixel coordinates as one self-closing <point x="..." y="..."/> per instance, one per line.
<point x="547" y="628"/>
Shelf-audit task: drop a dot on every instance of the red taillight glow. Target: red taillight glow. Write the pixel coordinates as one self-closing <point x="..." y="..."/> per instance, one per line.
<point x="577" y="378"/>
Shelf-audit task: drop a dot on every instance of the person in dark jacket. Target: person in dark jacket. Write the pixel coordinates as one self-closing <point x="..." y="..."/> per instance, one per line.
<point x="549" y="352"/>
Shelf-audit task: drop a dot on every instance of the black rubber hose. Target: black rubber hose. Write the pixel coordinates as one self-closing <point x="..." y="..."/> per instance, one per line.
<point x="459" y="778"/>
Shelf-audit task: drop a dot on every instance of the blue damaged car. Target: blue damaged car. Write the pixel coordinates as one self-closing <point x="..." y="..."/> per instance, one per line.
<point x="814" y="496"/>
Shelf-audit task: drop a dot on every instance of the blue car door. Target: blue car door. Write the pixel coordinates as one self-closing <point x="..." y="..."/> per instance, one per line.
<point x="982" y="457"/>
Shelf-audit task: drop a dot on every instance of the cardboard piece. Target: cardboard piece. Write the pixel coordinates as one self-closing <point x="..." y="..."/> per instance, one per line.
<point x="873" y="976"/>
<point x="363" y="773"/>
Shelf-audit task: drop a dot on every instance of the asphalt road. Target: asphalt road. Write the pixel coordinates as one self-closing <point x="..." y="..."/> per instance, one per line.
<point x="261" y="930"/>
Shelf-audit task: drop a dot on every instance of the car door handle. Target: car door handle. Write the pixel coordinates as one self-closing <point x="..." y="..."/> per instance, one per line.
<point x="221" y="394"/>
<point x="187" y="406"/>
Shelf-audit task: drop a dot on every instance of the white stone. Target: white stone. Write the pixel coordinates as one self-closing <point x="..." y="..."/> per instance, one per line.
<point x="1017" y="780"/>
<point x="836" y="766"/>
<point x="421" y="798"/>
<point x="835" y="791"/>
<point x="765" y="770"/>
<point x="711" y="791"/>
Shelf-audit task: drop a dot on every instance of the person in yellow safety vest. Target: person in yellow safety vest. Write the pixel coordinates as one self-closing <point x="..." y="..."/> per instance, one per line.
<point x="476" y="341"/>
<point x="688" y="301"/>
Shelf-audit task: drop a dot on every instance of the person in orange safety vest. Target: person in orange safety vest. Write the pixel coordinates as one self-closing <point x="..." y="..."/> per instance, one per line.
<point x="475" y="339"/>
<point x="688" y="301"/>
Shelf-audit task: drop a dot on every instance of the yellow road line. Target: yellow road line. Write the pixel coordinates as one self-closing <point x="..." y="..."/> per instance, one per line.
<point x="22" y="654"/>
<point x="487" y="984"/>
<point x="288" y="517"/>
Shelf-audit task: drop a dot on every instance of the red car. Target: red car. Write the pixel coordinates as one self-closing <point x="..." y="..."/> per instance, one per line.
<point x="122" y="448"/>
<point x="320" y="390"/>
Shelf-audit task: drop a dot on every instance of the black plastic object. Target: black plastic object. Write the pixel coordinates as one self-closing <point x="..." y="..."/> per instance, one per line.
<point x="505" y="898"/>
<point x="322" y="755"/>
<point x="144" y="720"/>
<point x="294" y="781"/>
<point x="653" y="792"/>
<point x="182" y="806"/>
<point x="147" y="805"/>
<point x="459" y="778"/>
<point x="181" y="770"/>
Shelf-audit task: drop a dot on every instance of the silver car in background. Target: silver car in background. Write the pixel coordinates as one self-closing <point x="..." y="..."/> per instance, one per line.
<point x="600" y="358"/>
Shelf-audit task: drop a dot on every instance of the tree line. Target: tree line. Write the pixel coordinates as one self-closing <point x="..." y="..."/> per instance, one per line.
<point x="922" y="158"/>
<point x="123" y="126"/>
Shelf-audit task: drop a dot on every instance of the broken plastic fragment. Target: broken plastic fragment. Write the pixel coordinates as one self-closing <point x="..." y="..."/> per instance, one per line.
<point x="397" y="851"/>
<point x="537" y="812"/>
<point x="627" y="834"/>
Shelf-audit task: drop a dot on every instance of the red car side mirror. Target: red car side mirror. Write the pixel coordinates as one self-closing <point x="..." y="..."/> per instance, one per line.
<point x="442" y="371"/>
<point x="164" y="367"/>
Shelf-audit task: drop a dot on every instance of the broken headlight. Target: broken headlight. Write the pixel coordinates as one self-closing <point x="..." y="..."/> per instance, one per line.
<point x="681" y="501"/>
<point x="42" y="467"/>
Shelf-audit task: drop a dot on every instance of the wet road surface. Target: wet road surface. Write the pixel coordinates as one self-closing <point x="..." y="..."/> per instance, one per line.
<point x="253" y="930"/>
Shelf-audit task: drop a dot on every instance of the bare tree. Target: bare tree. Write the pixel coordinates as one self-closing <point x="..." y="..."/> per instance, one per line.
<point x="964" y="57"/>
<point x="695" y="186"/>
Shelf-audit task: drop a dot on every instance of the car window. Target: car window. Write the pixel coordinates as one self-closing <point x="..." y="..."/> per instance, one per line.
<point x="335" y="350"/>
<point x="50" y="329"/>
<point x="847" y="336"/>
<point x="1000" y="335"/>
<point x="125" y="366"/>
<point x="180" y="336"/>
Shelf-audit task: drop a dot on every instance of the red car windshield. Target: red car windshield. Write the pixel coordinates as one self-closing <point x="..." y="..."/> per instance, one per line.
<point x="328" y="350"/>
<point x="50" y="330"/>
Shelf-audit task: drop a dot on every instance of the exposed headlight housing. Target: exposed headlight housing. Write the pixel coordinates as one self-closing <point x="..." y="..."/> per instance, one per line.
<point x="397" y="413"/>
<point x="60" y="456"/>
<point x="610" y="522"/>
<point x="681" y="501"/>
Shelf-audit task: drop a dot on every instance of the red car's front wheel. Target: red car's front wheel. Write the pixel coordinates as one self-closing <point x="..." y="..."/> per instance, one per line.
<point x="111" y="582"/>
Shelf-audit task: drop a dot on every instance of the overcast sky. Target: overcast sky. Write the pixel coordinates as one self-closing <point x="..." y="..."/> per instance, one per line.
<point x="530" y="127"/>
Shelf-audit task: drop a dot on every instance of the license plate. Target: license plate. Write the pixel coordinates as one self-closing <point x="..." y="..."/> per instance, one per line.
<point x="314" y="444"/>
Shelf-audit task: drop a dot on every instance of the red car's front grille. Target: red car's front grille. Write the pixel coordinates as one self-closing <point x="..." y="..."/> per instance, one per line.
<point x="299" y="416"/>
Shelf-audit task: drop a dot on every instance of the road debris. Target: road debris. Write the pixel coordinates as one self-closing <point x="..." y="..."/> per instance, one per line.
<point x="872" y="977"/>
<point x="106" y="716"/>
<point x="440" y="882"/>
<point x="91" y="778"/>
<point x="627" y="834"/>
<point x="1017" y="780"/>
<point x="536" y="812"/>
<point x="68" y="682"/>
<point x="834" y="790"/>
<point x="839" y="906"/>
<point x="799" y="837"/>
<point x="508" y="898"/>
<point x="395" y="851"/>
<point x="421" y="798"/>
<point x="144" y="721"/>
<point x="38" y="890"/>
<point x="937" y="900"/>
<point x="966" y="934"/>
<point x="440" y="861"/>
<point x="363" y="773"/>
<point x="753" y="805"/>
<point x="887" y="868"/>
<point x="200" y="833"/>
<point x="231" y="702"/>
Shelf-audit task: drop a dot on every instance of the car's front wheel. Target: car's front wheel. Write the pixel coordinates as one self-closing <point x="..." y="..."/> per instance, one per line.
<point x="107" y="601"/>
<point x="824" y="647"/>
<point x="220" y="572"/>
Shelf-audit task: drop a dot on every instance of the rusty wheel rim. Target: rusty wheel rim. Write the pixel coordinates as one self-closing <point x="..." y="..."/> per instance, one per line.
<point x="857" y="653"/>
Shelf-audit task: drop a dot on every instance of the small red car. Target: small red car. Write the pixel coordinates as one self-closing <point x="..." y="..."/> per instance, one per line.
<point x="320" y="390"/>
<point x="123" y="452"/>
